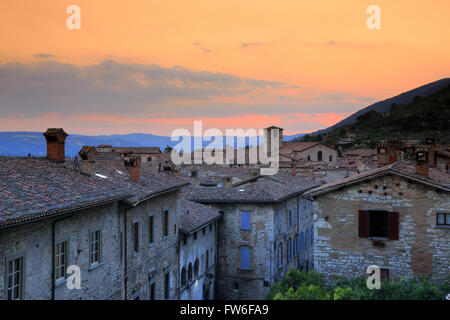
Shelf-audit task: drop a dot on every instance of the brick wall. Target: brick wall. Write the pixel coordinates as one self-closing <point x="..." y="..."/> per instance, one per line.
<point x="422" y="248"/>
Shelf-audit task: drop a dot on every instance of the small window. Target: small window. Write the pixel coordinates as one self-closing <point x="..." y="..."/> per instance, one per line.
<point x="319" y="156"/>
<point x="384" y="274"/>
<point x="204" y="230"/>
<point x="190" y="272"/>
<point x="330" y="158"/>
<point x="60" y="260"/>
<point x="14" y="278"/>
<point x="152" y="293"/>
<point x="167" y="286"/>
<point x="95" y="247"/>
<point x="136" y="236"/>
<point x="195" y="235"/>
<point x="183" y="276"/>
<point x="443" y="219"/>
<point x="245" y="220"/>
<point x="289" y="218"/>
<point x="166" y="223"/>
<point x="245" y="259"/>
<point x="196" y="268"/>
<point x="150" y="230"/>
<point x="309" y="158"/>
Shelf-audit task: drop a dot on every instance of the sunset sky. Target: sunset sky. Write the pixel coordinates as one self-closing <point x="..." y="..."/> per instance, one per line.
<point x="154" y="66"/>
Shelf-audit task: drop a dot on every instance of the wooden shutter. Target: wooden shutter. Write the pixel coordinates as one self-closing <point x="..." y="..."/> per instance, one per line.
<point x="363" y="224"/>
<point x="245" y="220"/>
<point x="244" y="258"/>
<point x="393" y="225"/>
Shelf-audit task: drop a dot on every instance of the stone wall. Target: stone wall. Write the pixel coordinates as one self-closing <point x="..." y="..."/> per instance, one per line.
<point x="34" y="242"/>
<point x="153" y="260"/>
<point x="192" y="250"/>
<point x="422" y="247"/>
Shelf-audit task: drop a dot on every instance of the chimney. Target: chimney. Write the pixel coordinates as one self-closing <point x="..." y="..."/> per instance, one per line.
<point x="88" y="156"/>
<point x="56" y="138"/>
<point x="135" y="169"/>
<point x="271" y="133"/>
<point x="228" y="182"/>
<point x="422" y="165"/>
<point x="293" y="171"/>
<point x="429" y="142"/>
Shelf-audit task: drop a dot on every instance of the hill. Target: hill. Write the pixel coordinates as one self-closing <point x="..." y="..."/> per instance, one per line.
<point x="429" y="114"/>
<point x="385" y="105"/>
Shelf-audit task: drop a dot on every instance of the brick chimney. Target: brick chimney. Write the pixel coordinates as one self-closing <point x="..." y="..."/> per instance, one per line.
<point x="88" y="156"/>
<point x="228" y="183"/>
<point x="429" y="142"/>
<point x="135" y="169"/>
<point x="422" y="161"/>
<point x="387" y="152"/>
<point x="56" y="138"/>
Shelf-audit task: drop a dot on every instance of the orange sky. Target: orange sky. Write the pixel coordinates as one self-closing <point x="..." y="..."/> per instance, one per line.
<point x="322" y="59"/>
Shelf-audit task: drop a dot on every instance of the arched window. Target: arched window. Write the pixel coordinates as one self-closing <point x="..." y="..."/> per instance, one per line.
<point x="196" y="268"/>
<point x="319" y="156"/>
<point x="190" y="272"/>
<point x="183" y="276"/>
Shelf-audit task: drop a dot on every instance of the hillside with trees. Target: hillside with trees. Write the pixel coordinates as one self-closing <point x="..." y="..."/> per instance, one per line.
<point x="430" y="114"/>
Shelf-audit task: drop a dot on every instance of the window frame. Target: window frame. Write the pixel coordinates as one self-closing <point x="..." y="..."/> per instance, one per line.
<point x="22" y="274"/>
<point x="165" y="223"/>
<point x="446" y="218"/>
<point x="151" y="229"/>
<point x="241" y="266"/>
<point x="66" y="260"/>
<point x="245" y="217"/>
<point x="93" y="264"/>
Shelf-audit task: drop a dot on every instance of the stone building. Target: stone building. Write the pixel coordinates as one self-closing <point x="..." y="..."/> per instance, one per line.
<point x="265" y="230"/>
<point x="198" y="251"/>
<point x="396" y="217"/>
<point x="119" y="225"/>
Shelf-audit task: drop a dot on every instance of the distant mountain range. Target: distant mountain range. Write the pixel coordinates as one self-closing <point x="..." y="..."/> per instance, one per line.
<point x="33" y="143"/>
<point x="385" y="105"/>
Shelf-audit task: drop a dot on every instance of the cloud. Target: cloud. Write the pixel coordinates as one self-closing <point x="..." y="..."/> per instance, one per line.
<point x="43" y="55"/>
<point x="110" y="86"/>
<point x="250" y="44"/>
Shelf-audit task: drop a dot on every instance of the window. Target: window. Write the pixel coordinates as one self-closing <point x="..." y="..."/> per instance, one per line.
<point x="384" y="274"/>
<point x="330" y="158"/>
<point x="60" y="260"/>
<point x="136" y="236"/>
<point x="309" y="158"/>
<point x="95" y="247"/>
<point x="183" y="276"/>
<point x="152" y="292"/>
<point x="279" y="219"/>
<point x="14" y="278"/>
<point x="190" y="272"/>
<point x="166" y="223"/>
<point x="443" y="219"/>
<point x="280" y="255"/>
<point x="319" y="156"/>
<point x="290" y="218"/>
<point x="204" y="231"/>
<point x="195" y="235"/>
<point x="167" y="286"/>
<point x="196" y="267"/>
<point x="245" y="220"/>
<point x="378" y="224"/>
<point x="296" y="215"/>
<point x="245" y="259"/>
<point x="301" y="209"/>
<point x="290" y="250"/>
<point x="301" y="241"/>
<point x="150" y="230"/>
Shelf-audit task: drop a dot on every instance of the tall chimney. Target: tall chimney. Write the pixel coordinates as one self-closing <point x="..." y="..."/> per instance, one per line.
<point x="135" y="169"/>
<point x="88" y="156"/>
<point x="422" y="165"/>
<point x="56" y="138"/>
<point x="228" y="182"/>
